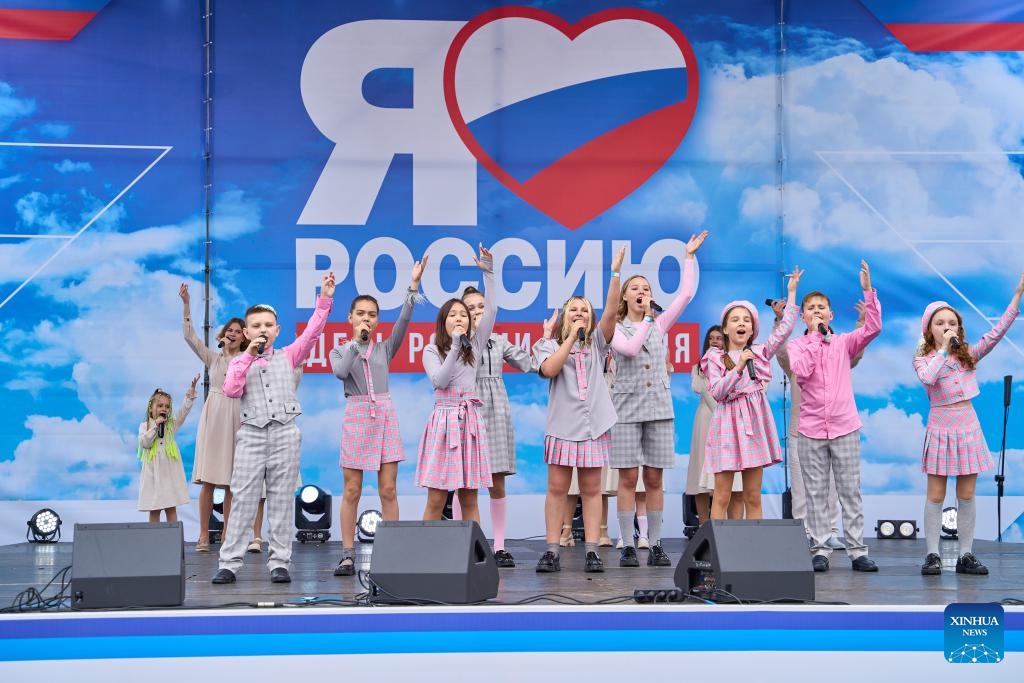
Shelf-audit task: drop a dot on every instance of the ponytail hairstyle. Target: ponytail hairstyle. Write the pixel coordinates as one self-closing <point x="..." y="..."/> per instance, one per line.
<point x="443" y="340"/>
<point x="170" y="446"/>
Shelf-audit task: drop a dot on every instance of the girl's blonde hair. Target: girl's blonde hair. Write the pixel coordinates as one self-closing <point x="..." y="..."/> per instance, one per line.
<point x="621" y="313"/>
<point x="170" y="446"/>
<point x="566" y="327"/>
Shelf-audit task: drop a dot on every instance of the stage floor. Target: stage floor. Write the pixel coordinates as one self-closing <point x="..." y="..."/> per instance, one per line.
<point x="898" y="582"/>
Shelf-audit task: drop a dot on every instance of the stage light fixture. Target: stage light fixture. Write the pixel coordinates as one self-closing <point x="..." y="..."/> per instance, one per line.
<point x="312" y="515"/>
<point x="949" y="522"/>
<point x="896" y="528"/>
<point x="44" y="527"/>
<point x="366" y="527"/>
<point x="216" y="521"/>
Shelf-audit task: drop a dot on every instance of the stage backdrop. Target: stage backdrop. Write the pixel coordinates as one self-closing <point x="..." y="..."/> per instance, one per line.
<point x="359" y="136"/>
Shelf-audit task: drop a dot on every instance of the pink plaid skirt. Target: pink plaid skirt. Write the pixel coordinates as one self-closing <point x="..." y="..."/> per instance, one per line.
<point x="742" y="435"/>
<point x="954" y="443"/>
<point x="369" y="433"/>
<point x="453" y="450"/>
<point x="589" y="453"/>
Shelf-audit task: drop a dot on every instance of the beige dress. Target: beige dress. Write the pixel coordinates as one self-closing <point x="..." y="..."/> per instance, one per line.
<point x="162" y="480"/>
<point x="215" y="440"/>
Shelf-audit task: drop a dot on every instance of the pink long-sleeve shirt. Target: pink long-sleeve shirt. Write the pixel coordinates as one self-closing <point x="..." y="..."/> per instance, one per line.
<point x="297" y="351"/>
<point x="827" y="407"/>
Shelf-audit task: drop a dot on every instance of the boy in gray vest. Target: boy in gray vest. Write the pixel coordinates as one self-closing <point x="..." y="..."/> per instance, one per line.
<point x="267" y="443"/>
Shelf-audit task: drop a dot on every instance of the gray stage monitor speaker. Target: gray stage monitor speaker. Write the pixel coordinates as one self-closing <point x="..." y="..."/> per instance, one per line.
<point x="128" y="565"/>
<point x="432" y="562"/>
<point x="757" y="560"/>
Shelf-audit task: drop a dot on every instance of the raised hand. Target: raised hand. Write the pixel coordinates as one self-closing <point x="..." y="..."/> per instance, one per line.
<point x="549" y="325"/>
<point x="694" y="243"/>
<point x="1020" y="285"/>
<point x="183" y="293"/>
<point x="417" y="272"/>
<point x="486" y="260"/>
<point x="191" y="393"/>
<point x="779" y="307"/>
<point x="617" y="261"/>
<point x="327" y="285"/>
<point x="794" y="279"/>
<point x="865" y="276"/>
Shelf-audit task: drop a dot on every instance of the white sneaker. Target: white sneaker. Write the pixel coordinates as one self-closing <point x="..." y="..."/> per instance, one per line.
<point x="642" y="542"/>
<point x="619" y="544"/>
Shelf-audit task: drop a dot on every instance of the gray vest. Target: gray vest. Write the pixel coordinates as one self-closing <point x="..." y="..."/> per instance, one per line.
<point x="269" y="393"/>
<point x="641" y="388"/>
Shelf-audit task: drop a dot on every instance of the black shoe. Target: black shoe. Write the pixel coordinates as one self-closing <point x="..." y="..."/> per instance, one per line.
<point x="347" y="567"/>
<point x="594" y="564"/>
<point x="504" y="558"/>
<point x="932" y="565"/>
<point x="224" y="576"/>
<point x="280" y="575"/>
<point x="820" y="563"/>
<point x="864" y="564"/>
<point x="657" y="557"/>
<point x="548" y="563"/>
<point x="969" y="564"/>
<point x="627" y="557"/>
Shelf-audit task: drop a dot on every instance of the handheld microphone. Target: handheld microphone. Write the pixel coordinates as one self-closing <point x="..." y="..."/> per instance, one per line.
<point x="464" y="340"/>
<point x="954" y="343"/>
<point x="261" y="345"/>
<point x="770" y="302"/>
<point x="656" y="308"/>
<point x="750" y="367"/>
<point x="1007" y="382"/>
<point x="160" y="428"/>
<point x="364" y="336"/>
<point x="220" y="344"/>
<point x="581" y="336"/>
<point x="822" y="329"/>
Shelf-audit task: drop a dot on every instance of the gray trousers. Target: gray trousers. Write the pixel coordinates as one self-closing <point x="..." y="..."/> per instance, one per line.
<point x="820" y="461"/>
<point x="796" y="482"/>
<point x="269" y="454"/>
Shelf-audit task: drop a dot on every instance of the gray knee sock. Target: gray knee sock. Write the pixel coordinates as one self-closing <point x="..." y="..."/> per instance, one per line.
<point x="626" y="527"/>
<point x="553" y="548"/>
<point x="932" y="526"/>
<point x="654" y="521"/>
<point x="965" y="516"/>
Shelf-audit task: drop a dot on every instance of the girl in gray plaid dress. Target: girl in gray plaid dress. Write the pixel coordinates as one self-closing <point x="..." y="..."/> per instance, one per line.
<point x="644" y="436"/>
<point x="954" y="444"/>
<point x="497" y="416"/>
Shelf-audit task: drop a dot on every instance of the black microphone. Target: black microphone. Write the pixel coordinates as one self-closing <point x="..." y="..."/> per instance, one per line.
<point x="1007" y="382"/>
<point x="954" y="343"/>
<point x="581" y="335"/>
<point x="160" y="427"/>
<point x="750" y="366"/>
<point x="364" y="336"/>
<point x="770" y="303"/>
<point x="261" y="345"/>
<point x="464" y="340"/>
<point x="822" y="329"/>
<point x="656" y="308"/>
<point x="220" y="344"/>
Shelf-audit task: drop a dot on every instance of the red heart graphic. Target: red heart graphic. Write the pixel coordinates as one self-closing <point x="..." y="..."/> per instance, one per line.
<point x="597" y="175"/>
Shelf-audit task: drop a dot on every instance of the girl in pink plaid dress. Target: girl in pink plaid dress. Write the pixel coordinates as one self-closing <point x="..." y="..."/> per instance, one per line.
<point x="953" y="442"/>
<point x="741" y="436"/>
<point x="580" y="415"/>
<point x="370" y="440"/>
<point x="453" y="450"/>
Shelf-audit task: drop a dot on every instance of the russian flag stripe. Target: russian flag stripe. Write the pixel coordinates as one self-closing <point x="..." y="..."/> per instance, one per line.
<point x="23" y="24"/>
<point x="942" y="12"/>
<point x="998" y="37"/>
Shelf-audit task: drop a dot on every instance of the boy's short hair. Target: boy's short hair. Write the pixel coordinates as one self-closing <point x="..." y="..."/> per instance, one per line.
<point x="260" y="308"/>
<point x="813" y="295"/>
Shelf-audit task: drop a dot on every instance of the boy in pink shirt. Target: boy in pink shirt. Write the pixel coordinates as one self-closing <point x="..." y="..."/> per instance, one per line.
<point x="828" y="428"/>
